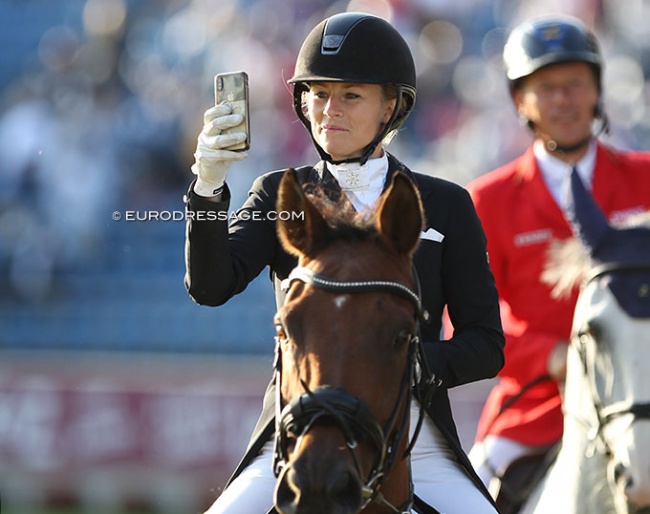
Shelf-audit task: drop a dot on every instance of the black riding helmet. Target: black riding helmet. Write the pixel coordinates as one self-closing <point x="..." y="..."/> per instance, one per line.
<point x="551" y="40"/>
<point x="361" y="48"/>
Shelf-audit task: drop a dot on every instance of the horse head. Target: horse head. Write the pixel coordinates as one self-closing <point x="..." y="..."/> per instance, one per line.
<point x="345" y="350"/>
<point x="607" y="391"/>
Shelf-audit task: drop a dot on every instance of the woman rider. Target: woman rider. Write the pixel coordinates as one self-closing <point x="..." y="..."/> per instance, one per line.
<point x="354" y="85"/>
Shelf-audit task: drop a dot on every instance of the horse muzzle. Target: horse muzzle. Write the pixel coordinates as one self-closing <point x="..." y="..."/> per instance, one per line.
<point x="308" y="486"/>
<point x="313" y="481"/>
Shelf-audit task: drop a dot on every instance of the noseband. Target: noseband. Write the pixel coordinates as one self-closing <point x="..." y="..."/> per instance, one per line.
<point x="347" y="412"/>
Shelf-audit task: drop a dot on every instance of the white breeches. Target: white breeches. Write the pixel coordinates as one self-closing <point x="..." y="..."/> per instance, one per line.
<point x="492" y="456"/>
<point x="438" y="479"/>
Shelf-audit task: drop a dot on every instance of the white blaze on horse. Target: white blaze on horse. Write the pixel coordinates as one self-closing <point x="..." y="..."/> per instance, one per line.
<point x="603" y="465"/>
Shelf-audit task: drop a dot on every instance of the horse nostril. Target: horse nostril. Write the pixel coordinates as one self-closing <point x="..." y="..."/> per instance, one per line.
<point x="636" y="491"/>
<point x="345" y="491"/>
<point x="620" y="473"/>
<point x="287" y="491"/>
<point x="340" y="494"/>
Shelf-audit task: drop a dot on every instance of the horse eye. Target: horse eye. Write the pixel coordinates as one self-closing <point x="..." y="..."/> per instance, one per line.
<point x="280" y="334"/>
<point x="403" y="338"/>
<point x="589" y="333"/>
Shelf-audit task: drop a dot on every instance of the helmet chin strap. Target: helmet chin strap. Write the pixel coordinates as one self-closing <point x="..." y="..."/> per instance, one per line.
<point x="361" y="160"/>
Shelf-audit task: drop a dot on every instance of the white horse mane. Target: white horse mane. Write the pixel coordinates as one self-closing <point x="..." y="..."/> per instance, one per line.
<point x="568" y="261"/>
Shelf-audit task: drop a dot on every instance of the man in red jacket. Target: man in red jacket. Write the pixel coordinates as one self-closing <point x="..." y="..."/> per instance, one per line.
<point x="554" y="68"/>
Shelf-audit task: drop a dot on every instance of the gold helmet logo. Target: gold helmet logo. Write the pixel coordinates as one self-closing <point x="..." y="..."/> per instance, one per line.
<point x="552" y="32"/>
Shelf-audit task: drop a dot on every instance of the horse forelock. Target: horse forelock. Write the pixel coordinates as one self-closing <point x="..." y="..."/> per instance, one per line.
<point x="343" y="221"/>
<point x="567" y="262"/>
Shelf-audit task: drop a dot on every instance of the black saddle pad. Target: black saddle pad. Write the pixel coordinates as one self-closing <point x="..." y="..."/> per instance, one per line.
<point x="421" y="507"/>
<point x="521" y="477"/>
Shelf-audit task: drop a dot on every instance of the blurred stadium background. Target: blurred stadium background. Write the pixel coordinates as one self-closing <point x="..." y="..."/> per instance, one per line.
<point x="117" y="392"/>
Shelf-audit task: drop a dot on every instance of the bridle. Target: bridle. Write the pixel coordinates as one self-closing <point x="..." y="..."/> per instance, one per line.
<point x="605" y="414"/>
<point x="350" y="414"/>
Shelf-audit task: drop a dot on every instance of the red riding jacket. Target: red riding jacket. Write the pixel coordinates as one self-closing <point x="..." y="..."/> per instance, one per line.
<point x="520" y="217"/>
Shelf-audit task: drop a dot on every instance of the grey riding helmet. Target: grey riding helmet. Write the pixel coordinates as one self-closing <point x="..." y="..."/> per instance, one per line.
<point x="550" y="40"/>
<point x="360" y="48"/>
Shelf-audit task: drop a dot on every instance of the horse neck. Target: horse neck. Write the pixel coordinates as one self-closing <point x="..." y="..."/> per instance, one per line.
<point x="577" y="482"/>
<point x="577" y="401"/>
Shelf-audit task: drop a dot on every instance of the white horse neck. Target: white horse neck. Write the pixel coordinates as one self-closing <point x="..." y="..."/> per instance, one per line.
<point x="568" y="487"/>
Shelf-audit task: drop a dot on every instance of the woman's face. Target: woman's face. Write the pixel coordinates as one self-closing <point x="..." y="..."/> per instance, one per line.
<point x="345" y="117"/>
<point x="560" y="100"/>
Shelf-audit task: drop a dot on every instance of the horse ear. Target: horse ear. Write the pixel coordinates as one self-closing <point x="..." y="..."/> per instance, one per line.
<point x="302" y="223"/>
<point x="399" y="215"/>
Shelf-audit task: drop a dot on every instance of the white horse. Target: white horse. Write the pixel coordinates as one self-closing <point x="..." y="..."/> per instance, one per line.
<point x="603" y="465"/>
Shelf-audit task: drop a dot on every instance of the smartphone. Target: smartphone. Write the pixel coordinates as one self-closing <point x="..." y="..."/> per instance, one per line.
<point x="232" y="88"/>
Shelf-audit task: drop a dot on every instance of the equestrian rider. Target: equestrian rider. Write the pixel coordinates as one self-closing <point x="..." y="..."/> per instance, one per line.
<point x="554" y="68"/>
<point x="354" y="85"/>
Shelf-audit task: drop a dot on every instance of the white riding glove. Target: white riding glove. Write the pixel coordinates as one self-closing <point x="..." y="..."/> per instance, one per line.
<point x="212" y="157"/>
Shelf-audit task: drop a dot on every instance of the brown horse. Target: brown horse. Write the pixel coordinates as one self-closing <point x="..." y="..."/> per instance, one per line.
<point x="347" y="348"/>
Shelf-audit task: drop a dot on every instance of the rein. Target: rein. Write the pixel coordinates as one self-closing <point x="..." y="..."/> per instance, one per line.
<point x="350" y="414"/>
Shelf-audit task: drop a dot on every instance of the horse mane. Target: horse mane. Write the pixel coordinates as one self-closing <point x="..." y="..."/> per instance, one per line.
<point x="568" y="261"/>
